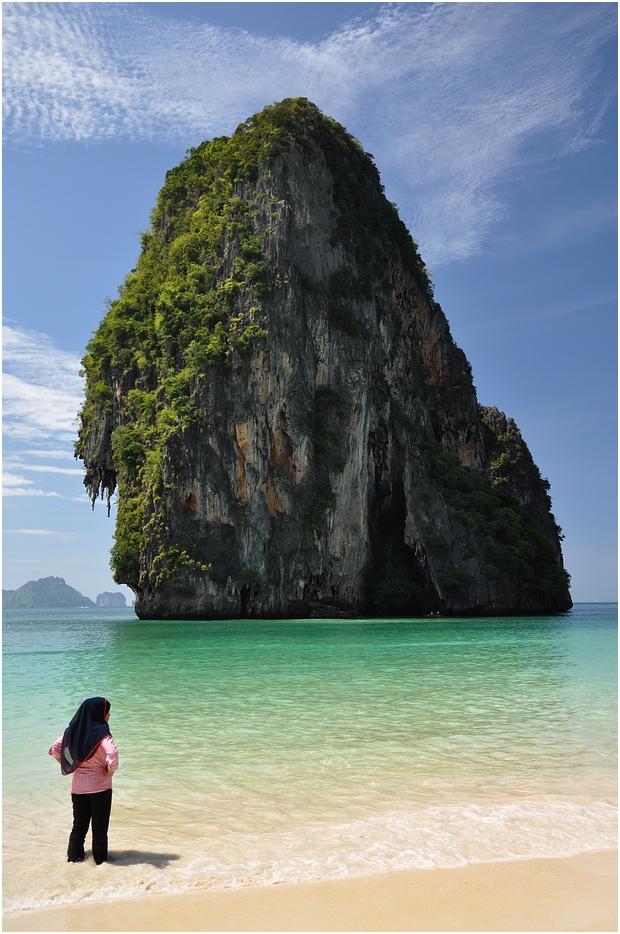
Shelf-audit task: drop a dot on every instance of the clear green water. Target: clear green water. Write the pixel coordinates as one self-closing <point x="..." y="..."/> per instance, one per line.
<point x="260" y="751"/>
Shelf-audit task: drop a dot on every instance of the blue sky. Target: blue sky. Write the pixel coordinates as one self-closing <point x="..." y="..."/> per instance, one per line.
<point x="494" y="128"/>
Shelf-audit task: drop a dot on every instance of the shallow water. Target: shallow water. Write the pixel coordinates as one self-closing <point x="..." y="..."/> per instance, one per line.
<point x="259" y="751"/>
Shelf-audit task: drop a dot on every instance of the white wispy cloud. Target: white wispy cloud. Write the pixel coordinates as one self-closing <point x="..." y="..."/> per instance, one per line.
<point x="450" y="97"/>
<point x="12" y="479"/>
<point x="42" y="532"/>
<point x="84" y="499"/>
<point x="16" y="485"/>
<point x="54" y="453"/>
<point x="51" y="468"/>
<point x="27" y="491"/>
<point x="41" y="389"/>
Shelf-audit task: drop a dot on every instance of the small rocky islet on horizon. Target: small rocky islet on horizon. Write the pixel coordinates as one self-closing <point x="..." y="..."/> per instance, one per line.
<point x="277" y="400"/>
<point x="50" y="592"/>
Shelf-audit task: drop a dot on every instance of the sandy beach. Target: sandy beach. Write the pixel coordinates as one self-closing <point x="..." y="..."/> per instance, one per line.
<point x="578" y="893"/>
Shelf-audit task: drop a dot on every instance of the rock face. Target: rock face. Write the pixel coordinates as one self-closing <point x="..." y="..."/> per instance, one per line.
<point x="279" y="400"/>
<point x="108" y="599"/>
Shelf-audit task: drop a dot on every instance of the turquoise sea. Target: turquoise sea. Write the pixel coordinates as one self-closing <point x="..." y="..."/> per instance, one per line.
<point x="258" y="751"/>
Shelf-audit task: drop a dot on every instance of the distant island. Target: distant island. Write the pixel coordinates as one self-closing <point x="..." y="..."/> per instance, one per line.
<point x="110" y="599"/>
<point x="46" y="592"/>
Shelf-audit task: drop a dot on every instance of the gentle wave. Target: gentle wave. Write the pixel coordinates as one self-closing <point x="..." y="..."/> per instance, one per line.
<point x="435" y="837"/>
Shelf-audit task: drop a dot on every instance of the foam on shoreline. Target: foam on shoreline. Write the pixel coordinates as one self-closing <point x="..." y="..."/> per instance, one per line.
<point x="578" y="893"/>
<point x="439" y="837"/>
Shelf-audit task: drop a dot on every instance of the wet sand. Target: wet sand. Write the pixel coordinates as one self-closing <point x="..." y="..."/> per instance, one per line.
<point x="578" y="893"/>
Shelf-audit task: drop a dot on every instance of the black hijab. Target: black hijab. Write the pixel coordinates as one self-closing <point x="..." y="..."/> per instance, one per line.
<point x="84" y="734"/>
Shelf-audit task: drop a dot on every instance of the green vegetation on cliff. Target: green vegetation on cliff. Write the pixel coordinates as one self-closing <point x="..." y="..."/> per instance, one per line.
<point x="513" y="546"/>
<point x="505" y="511"/>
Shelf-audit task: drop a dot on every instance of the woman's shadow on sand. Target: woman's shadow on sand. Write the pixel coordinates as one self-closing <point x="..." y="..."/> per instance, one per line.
<point x="134" y="857"/>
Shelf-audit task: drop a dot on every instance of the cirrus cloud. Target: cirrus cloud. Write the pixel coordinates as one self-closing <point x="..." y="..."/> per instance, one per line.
<point x="27" y="491"/>
<point x="12" y="479"/>
<point x="41" y="532"/>
<point x="41" y="388"/>
<point x="450" y="97"/>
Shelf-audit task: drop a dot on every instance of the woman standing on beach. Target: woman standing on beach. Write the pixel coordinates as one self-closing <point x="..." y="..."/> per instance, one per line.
<point x="87" y="752"/>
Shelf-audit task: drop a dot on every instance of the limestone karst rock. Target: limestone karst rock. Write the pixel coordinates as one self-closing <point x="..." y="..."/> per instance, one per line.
<point x="289" y="424"/>
<point x="46" y="593"/>
<point x="108" y="599"/>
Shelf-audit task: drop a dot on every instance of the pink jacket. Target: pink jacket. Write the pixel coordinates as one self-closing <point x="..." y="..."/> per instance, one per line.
<point x="89" y="777"/>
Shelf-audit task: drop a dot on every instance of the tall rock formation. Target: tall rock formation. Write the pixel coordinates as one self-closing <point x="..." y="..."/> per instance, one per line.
<point x="277" y="397"/>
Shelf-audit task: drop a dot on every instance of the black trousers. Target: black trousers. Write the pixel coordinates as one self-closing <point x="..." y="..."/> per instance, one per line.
<point x="95" y="807"/>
